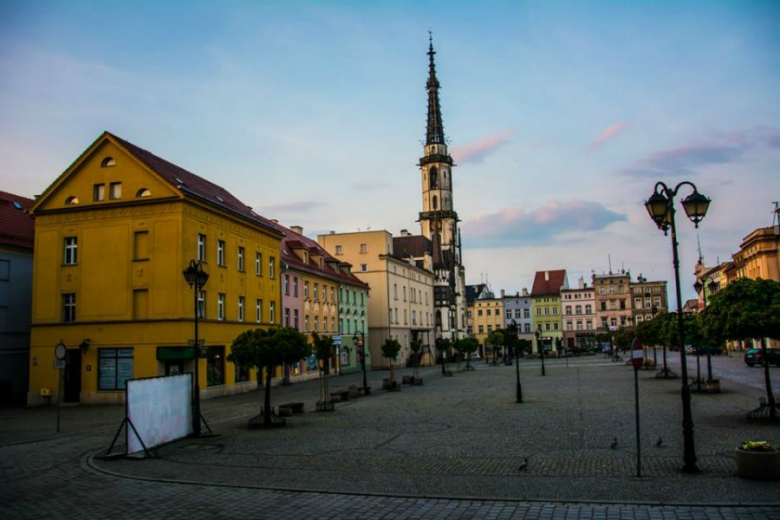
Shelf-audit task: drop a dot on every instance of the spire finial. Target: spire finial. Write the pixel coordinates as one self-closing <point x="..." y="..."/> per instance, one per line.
<point x="435" y="131"/>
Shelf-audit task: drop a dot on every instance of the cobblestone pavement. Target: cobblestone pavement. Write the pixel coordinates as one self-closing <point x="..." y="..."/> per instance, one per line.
<point x="449" y="449"/>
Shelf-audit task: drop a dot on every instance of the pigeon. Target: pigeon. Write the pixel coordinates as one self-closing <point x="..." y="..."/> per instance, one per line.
<point x="524" y="465"/>
<point x="614" y="443"/>
<point x="659" y="442"/>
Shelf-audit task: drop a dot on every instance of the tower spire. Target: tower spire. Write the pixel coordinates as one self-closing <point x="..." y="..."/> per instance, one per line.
<point x="435" y="131"/>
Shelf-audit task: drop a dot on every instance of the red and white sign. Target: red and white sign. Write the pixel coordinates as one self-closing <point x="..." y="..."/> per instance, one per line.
<point x="637" y="354"/>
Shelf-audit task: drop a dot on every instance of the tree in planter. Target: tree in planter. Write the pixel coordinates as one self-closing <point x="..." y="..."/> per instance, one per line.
<point x="649" y="333"/>
<point x="746" y="309"/>
<point x="466" y="347"/>
<point x="416" y="347"/>
<point x="444" y="345"/>
<point x="390" y="350"/>
<point x="495" y="338"/>
<point x="266" y="349"/>
<point x="324" y="350"/>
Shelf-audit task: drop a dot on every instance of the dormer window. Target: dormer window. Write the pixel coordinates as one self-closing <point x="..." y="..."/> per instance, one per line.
<point x="108" y="162"/>
<point x="71" y="201"/>
<point x="143" y="193"/>
<point x="115" y="191"/>
<point x="306" y="258"/>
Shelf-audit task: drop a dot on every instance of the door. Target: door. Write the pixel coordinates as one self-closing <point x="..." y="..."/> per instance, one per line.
<point x="72" y="376"/>
<point x="174" y="368"/>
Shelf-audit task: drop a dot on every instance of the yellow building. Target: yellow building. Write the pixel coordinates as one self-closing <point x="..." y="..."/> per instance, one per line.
<point x="113" y="235"/>
<point x="488" y="316"/>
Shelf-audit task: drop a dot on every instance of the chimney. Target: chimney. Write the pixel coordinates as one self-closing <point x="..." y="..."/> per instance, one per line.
<point x="525" y="291"/>
<point x="581" y="283"/>
<point x="404" y="232"/>
<point x="331" y="232"/>
<point x="547" y="276"/>
<point x="297" y="229"/>
<point x="503" y="293"/>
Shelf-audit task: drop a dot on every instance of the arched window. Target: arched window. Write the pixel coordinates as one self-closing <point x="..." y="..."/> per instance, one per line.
<point x="143" y="192"/>
<point x="434" y="178"/>
<point x="438" y="318"/>
<point x="435" y="203"/>
<point x="107" y="162"/>
<point x="71" y="201"/>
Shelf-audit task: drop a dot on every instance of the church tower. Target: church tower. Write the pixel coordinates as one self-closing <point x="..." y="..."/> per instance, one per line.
<point x="438" y="219"/>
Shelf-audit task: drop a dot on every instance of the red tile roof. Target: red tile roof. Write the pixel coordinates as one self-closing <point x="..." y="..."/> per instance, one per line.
<point x="299" y="241"/>
<point x="192" y="184"/>
<point x="549" y="285"/>
<point x="17" y="227"/>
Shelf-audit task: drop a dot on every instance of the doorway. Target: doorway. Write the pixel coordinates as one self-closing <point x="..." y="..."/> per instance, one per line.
<point x="73" y="376"/>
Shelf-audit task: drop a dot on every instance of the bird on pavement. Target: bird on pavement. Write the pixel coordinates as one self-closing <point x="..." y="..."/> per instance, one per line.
<point x="524" y="464"/>
<point x="614" y="443"/>
<point x="659" y="442"/>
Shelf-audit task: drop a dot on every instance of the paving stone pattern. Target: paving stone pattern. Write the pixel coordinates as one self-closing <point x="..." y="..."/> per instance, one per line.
<point x="449" y="449"/>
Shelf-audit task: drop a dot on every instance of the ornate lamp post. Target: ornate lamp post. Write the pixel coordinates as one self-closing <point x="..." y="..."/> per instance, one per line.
<point x="540" y="347"/>
<point x="359" y="339"/>
<point x="196" y="277"/>
<point x="519" y="388"/>
<point x="660" y="206"/>
<point x="712" y="286"/>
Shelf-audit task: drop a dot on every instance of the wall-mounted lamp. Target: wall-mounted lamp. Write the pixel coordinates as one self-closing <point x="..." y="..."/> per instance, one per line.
<point x="84" y="346"/>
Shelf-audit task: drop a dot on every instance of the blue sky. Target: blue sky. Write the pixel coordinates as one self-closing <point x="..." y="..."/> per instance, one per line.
<point x="561" y="115"/>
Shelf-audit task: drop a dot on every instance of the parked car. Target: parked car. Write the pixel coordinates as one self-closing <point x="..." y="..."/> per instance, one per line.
<point x="754" y="356"/>
<point x="702" y="350"/>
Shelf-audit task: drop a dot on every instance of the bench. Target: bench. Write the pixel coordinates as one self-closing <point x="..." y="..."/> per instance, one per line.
<point x="339" y="395"/>
<point x="288" y="409"/>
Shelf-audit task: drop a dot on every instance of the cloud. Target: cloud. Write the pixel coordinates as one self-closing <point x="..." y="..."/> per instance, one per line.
<point x="689" y="159"/>
<point x="301" y="206"/>
<point x="476" y="151"/>
<point x="607" y="134"/>
<point x="514" y="226"/>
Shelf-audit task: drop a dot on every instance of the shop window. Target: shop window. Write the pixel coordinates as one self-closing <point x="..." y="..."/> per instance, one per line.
<point x="115" y="367"/>
<point x="215" y="366"/>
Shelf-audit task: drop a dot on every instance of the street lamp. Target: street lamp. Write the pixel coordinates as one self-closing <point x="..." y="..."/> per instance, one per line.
<point x="660" y="207"/>
<point x="519" y="388"/>
<point x="196" y="277"/>
<point x="699" y="288"/>
<point x="540" y="347"/>
<point x="359" y="339"/>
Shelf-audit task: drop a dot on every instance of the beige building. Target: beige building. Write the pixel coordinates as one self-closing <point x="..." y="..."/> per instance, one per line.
<point x="400" y="305"/>
<point x="579" y="316"/>
<point x="648" y="299"/>
<point x="613" y="300"/>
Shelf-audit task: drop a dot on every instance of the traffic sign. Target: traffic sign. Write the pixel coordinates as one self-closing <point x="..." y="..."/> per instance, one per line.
<point x="637" y="354"/>
<point x="59" y="363"/>
<point x="60" y="350"/>
<point x="337" y="340"/>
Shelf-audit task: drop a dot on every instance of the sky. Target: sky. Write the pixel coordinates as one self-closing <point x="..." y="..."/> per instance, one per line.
<point x="561" y="115"/>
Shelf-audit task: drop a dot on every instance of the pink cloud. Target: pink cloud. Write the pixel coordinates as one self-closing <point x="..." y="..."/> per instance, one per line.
<point x="607" y="134"/>
<point x="477" y="151"/>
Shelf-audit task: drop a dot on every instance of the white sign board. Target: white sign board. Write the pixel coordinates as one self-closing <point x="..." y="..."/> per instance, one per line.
<point x="160" y="408"/>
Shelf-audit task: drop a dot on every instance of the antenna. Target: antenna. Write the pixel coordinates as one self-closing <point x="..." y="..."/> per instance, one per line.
<point x="609" y="258"/>
<point x="776" y="215"/>
<point x="698" y="242"/>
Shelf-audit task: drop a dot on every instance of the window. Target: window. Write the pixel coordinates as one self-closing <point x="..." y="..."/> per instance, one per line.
<point x="215" y="366"/>
<point x="201" y="304"/>
<point x="404" y="288"/>
<point x="316" y="292"/>
<point x="221" y="253"/>
<point x="527" y="313"/>
<point x="201" y="247"/>
<point x="240" y="308"/>
<point x="481" y="329"/>
<point x="287" y="285"/>
<point x="286" y="316"/>
<point x="488" y="312"/>
<point x="363" y="268"/>
<point x="221" y="306"/>
<point x="306" y="289"/>
<point x="527" y="328"/>
<point x="271" y="267"/>
<point x="71" y="201"/>
<point x="107" y="162"/>
<point x="71" y="251"/>
<point x="272" y="312"/>
<point x="316" y="324"/>
<point x="603" y="306"/>
<point x="657" y="301"/>
<point x="259" y="264"/>
<point x="546" y="311"/>
<point x="339" y="250"/>
<point x="241" y="374"/>
<point x="395" y="291"/>
<point x="325" y="325"/>
<point x="555" y="326"/>
<point x="546" y="326"/>
<point x="143" y="193"/>
<point x="259" y="311"/>
<point x="588" y="309"/>
<point x="99" y="192"/>
<point x="568" y="309"/>
<point x="555" y="311"/>
<point x="363" y="248"/>
<point x="490" y="328"/>
<point x="509" y="314"/>
<point x="5" y="272"/>
<point x="240" y="258"/>
<point x="115" y="190"/>
<point x="324" y="293"/>
<point x="589" y="325"/>
<point x="479" y="312"/>
<point x="306" y="323"/>
<point x="332" y="295"/>
<point x="295" y="319"/>
<point x="115" y="367"/>
<point x="69" y="307"/>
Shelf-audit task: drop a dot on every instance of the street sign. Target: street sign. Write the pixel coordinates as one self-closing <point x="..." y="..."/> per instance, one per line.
<point x="337" y="340"/>
<point x="637" y="354"/>
<point x="60" y="350"/>
<point x="59" y="363"/>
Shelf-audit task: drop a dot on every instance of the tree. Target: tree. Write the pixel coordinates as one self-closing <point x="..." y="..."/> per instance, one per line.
<point x="443" y="345"/>
<point x="746" y="309"/>
<point x="495" y="338"/>
<point x="466" y="347"/>
<point x="390" y="350"/>
<point x="324" y="350"/>
<point x="524" y="345"/>
<point x="266" y="349"/>
<point x="624" y="338"/>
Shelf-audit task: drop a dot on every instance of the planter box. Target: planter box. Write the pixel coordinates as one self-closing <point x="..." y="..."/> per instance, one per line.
<point x="713" y="386"/>
<point x="758" y="465"/>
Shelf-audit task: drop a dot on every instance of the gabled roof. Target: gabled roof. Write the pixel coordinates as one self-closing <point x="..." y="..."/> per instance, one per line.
<point x="415" y="246"/>
<point x="549" y="283"/>
<point x="17" y="227"/>
<point x="293" y="240"/>
<point x="477" y="292"/>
